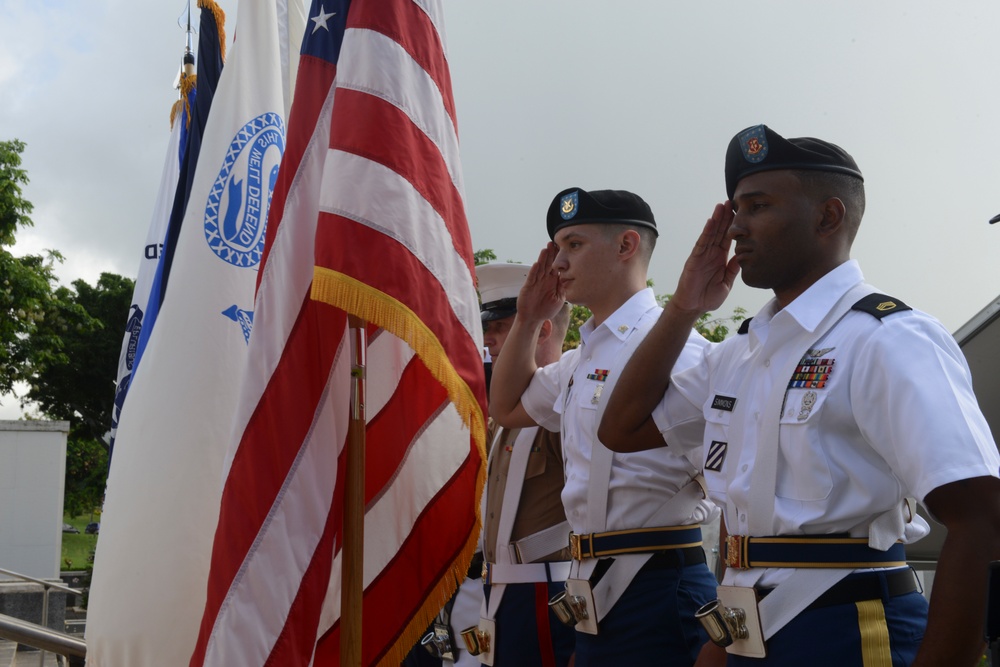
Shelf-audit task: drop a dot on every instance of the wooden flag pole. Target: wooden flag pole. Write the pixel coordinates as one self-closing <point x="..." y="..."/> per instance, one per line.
<point x="352" y="563"/>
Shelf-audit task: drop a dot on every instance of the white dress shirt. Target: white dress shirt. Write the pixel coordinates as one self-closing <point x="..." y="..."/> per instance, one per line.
<point x="878" y="410"/>
<point x="565" y="396"/>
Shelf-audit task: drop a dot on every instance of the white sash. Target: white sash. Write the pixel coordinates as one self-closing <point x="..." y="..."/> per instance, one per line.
<point x="507" y="564"/>
<point x="609" y="589"/>
<point x="624" y="567"/>
<point x="804" y="585"/>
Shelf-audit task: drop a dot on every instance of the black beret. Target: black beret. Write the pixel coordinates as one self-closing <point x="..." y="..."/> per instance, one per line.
<point x="576" y="206"/>
<point x="759" y="148"/>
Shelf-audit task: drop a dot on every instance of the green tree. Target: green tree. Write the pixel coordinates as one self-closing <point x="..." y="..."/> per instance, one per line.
<point x="14" y="208"/>
<point x="78" y="383"/>
<point x="484" y="256"/>
<point x="86" y="475"/>
<point x="27" y="284"/>
<point x="716" y="329"/>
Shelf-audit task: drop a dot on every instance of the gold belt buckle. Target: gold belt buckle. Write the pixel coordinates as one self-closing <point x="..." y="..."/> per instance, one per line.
<point x="574" y="546"/>
<point x="736" y="552"/>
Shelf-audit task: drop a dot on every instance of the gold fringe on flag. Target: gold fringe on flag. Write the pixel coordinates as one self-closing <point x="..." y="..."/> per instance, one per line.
<point x="188" y="83"/>
<point x="357" y="298"/>
<point x="174" y="110"/>
<point x="220" y="22"/>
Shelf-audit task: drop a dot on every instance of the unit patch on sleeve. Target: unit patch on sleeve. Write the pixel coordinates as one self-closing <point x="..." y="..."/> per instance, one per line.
<point x="716" y="456"/>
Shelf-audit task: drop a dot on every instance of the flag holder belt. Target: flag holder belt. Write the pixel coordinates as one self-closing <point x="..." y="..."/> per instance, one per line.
<point x="525" y="573"/>
<point x="742" y="552"/>
<point x="642" y="540"/>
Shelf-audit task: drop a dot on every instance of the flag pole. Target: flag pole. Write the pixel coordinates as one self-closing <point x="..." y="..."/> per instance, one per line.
<point x="189" y="68"/>
<point x="352" y="563"/>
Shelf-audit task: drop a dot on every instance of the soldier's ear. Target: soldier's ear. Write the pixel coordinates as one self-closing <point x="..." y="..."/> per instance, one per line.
<point x="628" y="243"/>
<point x="545" y="331"/>
<point x="832" y="219"/>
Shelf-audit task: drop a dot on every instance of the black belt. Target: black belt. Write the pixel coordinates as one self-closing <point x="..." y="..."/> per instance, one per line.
<point x="823" y="551"/>
<point x="476" y="566"/>
<point x="639" y="540"/>
<point x="862" y="586"/>
<point x="670" y="559"/>
<point x="675" y="558"/>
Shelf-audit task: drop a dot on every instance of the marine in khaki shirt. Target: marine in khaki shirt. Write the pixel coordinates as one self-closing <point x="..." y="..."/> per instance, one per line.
<point x="525" y="534"/>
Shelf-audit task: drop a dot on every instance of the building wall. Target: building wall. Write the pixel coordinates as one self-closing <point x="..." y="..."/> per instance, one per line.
<point x="32" y="478"/>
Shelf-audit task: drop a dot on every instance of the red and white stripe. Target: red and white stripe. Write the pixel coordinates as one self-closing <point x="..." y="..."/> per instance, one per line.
<point x="370" y="189"/>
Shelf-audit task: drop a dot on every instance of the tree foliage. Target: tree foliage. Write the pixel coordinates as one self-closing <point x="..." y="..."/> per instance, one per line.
<point x="86" y="474"/>
<point x="716" y="329"/>
<point x="484" y="256"/>
<point x="77" y="384"/>
<point x="27" y="284"/>
<point x="14" y="208"/>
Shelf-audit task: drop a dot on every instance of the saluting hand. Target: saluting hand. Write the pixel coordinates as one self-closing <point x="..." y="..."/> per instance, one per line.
<point x="709" y="272"/>
<point x="542" y="295"/>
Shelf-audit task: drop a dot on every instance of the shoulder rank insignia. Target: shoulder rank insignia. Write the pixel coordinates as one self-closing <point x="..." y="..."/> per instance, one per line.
<point x="880" y="305"/>
<point x="744" y="326"/>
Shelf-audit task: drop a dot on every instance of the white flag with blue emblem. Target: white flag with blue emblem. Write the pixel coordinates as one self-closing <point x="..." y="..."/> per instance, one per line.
<point x="147" y="267"/>
<point x="164" y="486"/>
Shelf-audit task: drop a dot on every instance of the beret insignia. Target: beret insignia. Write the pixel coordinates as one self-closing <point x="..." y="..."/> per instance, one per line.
<point x="568" y="205"/>
<point x="753" y="141"/>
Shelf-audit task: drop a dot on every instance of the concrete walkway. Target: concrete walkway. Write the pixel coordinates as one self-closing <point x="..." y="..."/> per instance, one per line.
<point x="11" y="657"/>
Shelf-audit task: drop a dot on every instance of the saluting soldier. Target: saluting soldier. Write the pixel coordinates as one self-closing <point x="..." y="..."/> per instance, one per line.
<point x="639" y="570"/>
<point x="524" y="525"/>
<point x="831" y="410"/>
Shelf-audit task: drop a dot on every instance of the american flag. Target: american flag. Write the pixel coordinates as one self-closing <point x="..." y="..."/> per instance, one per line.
<point x="367" y="219"/>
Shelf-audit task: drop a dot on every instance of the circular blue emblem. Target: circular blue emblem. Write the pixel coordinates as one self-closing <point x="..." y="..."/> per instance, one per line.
<point x="236" y="211"/>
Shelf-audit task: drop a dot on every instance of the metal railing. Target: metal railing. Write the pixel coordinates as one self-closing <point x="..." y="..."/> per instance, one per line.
<point x="41" y="636"/>
<point x="44" y="639"/>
